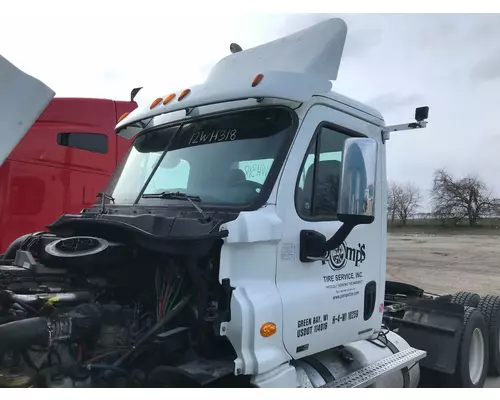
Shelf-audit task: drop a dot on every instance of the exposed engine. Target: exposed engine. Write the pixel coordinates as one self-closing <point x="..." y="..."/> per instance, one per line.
<point x="87" y="312"/>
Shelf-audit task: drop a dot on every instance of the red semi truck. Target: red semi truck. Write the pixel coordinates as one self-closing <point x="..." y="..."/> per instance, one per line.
<point x="60" y="165"/>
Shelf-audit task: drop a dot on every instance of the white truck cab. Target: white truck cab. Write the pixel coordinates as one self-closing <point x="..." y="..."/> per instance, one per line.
<point x="254" y="203"/>
<point x="308" y="264"/>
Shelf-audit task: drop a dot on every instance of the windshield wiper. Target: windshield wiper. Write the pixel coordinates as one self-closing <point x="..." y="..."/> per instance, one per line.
<point x="179" y="196"/>
<point x="160" y="160"/>
<point x="170" y="195"/>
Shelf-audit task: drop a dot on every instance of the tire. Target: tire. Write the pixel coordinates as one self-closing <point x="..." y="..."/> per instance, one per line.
<point x="473" y="352"/>
<point x="490" y="308"/>
<point x="466" y="299"/>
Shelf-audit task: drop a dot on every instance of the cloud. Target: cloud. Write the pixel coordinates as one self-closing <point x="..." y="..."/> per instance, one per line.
<point x="286" y="24"/>
<point x="433" y="32"/>
<point x="486" y="27"/>
<point x="487" y="69"/>
<point x="362" y="40"/>
<point x="359" y="38"/>
<point x="393" y="101"/>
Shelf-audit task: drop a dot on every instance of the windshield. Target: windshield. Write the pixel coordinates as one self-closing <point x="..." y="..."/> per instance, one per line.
<point x="223" y="159"/>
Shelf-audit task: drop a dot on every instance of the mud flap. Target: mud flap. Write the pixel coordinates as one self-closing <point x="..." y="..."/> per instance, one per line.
<point x="435" y="327"/>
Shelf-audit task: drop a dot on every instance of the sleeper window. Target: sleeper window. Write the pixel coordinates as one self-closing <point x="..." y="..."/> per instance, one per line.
<point x="94" y="142"/>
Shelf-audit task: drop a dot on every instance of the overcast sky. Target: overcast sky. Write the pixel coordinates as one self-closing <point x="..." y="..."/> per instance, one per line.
<point x="393" y="62"/>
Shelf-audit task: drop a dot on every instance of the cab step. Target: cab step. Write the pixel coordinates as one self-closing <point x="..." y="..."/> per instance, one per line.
<point x="366" y="376"/>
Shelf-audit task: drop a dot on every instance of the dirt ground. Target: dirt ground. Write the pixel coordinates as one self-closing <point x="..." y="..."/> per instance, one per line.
<point x="445" y="264"/>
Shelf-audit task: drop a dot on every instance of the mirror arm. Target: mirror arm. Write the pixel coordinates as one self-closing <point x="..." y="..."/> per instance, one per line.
<point x="338" y="238"/>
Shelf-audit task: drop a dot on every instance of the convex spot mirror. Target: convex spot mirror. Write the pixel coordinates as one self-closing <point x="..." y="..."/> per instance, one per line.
<point x="356" y="203"/>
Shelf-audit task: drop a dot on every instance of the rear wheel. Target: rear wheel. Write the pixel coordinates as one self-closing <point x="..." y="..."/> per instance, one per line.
<point x="473" y="355"/>
<point x="466" y="299"/>
<point x="490" y="308"/>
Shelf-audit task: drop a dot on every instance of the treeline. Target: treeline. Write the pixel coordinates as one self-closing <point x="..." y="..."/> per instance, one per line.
<point x="452" y="199"/>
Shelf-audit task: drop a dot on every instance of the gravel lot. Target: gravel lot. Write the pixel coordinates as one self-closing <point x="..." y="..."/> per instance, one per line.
<point x="445" y="264"/>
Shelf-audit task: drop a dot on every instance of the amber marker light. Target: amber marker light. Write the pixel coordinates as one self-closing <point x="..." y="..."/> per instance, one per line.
<point x="258" y="78"/>
<point x="268" y="329"/>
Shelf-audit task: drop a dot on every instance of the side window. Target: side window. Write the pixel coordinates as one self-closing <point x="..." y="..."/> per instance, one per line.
<point x="316" y="195"/>
<point x="95" y="142"/>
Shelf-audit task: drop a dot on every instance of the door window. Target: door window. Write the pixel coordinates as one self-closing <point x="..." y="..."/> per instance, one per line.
<point x="316" y="195"/>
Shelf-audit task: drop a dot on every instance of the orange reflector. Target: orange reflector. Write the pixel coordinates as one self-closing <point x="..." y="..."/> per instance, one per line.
<point x="267" y="329"/>
<point x="257" y="79"/>
<point x="124" y="115"/>
<point x="155" y="103"/>
<point x="169" y="98"/>
<point x="184" y="93"/>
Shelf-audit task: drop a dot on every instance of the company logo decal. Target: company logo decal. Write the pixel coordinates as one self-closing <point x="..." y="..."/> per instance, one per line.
<point x="338" y="258"/>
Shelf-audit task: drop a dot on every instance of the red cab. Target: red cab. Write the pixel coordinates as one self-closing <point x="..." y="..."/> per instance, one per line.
<point x="60" y="165"/>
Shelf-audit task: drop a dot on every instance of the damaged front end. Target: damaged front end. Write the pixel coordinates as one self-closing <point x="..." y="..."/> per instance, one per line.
<point x="116" y="309"/>
<point x="128" y="293"/>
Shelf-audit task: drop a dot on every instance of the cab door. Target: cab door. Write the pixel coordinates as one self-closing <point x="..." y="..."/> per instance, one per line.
<point x="336" y="300"/>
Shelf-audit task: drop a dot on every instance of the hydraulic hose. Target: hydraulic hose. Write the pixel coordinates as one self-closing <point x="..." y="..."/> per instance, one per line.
<point x="24" y="333"/>
<point x="10" y="253"/>
<point x="82" y="322"/>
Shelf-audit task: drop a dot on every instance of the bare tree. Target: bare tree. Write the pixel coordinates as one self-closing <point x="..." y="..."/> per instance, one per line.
<point x="403" y="201"/>
<point x="392" y="194"/>
<point x="409" y="202"/>
<point x="462" y="198"/>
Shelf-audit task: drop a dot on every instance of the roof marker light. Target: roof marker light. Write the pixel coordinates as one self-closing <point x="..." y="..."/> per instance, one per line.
<point x="169" y="98"/>
<point x="257" y="79"/>
<point x="124" y="115"/>
<point x="155" y="103"/>
<point x="184" y="93"/>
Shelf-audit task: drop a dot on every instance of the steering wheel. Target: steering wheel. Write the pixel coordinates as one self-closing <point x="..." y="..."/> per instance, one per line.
<point x="250" y="185"/>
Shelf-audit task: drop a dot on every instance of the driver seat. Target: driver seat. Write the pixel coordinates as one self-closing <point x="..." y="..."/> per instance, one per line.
<point x="325" y="188"/>
<point x="236" y="176"/>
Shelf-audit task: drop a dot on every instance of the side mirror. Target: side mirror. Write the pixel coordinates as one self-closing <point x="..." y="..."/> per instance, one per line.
<point x="356" y="202"/>
<point x="357" y="183"/>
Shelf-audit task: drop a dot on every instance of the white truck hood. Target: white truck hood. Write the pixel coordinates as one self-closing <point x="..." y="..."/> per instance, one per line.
<point x="22" y="100"/>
